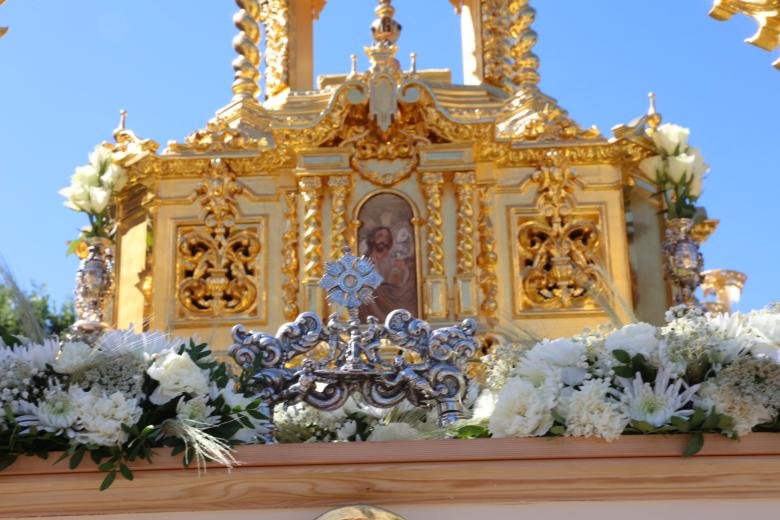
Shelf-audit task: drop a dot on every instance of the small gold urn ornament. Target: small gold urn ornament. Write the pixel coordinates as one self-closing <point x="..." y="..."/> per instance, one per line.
<point x="94" y="283"/>
<point x="684" y="261"/>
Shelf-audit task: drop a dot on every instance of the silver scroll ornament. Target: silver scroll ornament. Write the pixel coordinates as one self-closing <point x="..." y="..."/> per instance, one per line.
<point x="427" y="368"/>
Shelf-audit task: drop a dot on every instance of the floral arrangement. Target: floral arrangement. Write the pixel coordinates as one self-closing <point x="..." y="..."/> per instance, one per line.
<point x="677" y="170"/>
<point x="119" y="399"/>
<point x="90" y="191"/>
<point x="698" y="373"/>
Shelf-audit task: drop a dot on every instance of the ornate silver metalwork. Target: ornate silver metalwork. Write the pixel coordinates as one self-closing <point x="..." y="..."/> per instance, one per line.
<point x="94" y="283"/>
<point x="684" y="261"/>
<point x="426" y="367"/>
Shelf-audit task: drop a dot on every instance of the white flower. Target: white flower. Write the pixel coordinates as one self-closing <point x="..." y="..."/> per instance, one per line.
<point x="98" y="198"/>
<point x="484" y="405"/>
<point x="114" y="178"/>
<point x="86" y="176"/>
<point x="544" y="376"/>
<point x="766" y="325"/>
<point x="522" y="410"/>
<point x="592" y="411"/>
<point x="656" y="404"/>
<point x="32" y="354"/>
<point x="569" y="356"/>
<point x="100" y="156"/>
<point x="347" y="430"/>
<point x="177" y="374"/>
<point x="101" y="416"/>
<point x="635" y="338"/>
<point x="196" y="412"/>
<point x="74" y="358"/>
<point x="56" y="412"/>
<point x="679" y="167"/>
<point x="144" y="345"/>
<point x="699" y="166"/>
<point x="77" y="198"/>
<point x="394" y="432"/>
<point x="651" y="166"/>
<point x="671" y="139"/>
<point x="746" y="413"/>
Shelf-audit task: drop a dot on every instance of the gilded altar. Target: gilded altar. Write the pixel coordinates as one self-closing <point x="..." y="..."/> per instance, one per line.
<point x="479" y="200"/>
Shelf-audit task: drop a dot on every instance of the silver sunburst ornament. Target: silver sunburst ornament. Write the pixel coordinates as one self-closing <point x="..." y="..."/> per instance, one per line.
<point x="350" y="281"/>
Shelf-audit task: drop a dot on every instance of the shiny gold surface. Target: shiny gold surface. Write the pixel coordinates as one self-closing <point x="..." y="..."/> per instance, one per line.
<point x="487" y="259"/>
<point x="559" y="251"/>
<point x="290" y="262"/>
<point x="339" y="220"/>
<point x="434" y="235"/>
<point x="703" y="230"/>
<point x="311" y="194"/>
<point x="766" y="13"/>
<point x="217" y="264"/>
<point x="276" y="19"/>
<point x="725" y="285"/>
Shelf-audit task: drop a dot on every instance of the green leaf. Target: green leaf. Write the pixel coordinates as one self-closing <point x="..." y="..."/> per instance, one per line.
<point x="472" y="431"/>
<point x="622" y="356"/>
<point x="126" y="472"/>
<point x="697" y="419"/>
<point x="107" y="466"/>
<point x="643" y="426"/>
<point x="695" y="444"/>
<point x="6" y="460"/>
<point x="725" y="423"/>
<point x="558" y="417"/>
<point x="625" y="371"/>
<point x="96" y="456"/>
<point x="711" y="422"/>
<point x="108" y="481"/>
<point x="62" y="457"/>
<point x="75" y="460"/>
<point x="681" y="424"/>
<point x="558" y="430"/>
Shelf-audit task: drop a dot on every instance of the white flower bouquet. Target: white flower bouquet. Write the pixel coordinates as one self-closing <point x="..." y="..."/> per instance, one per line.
<point x="118" y="400"/>
<point x="677" y="170"/>
<point x="698" y="373"/>
<point x="90" y="191"/>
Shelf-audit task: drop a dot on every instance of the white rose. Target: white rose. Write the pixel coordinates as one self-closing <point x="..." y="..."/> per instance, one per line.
<point x="521" y="411"/>
<point x="636" y="338"/>
<point x="85" y="176"/>
<point x="651" y="166"/>
<point x="671" y="139"/>
<point x="699" y="165"/>
<point x="98" y="198"/>
<point x="568" y="356"/>
<point x="73" y="358"/>
<point x="697" y="183"/>
<point x="115" y="178"/>
<point x="100" y="156"/>
<point x="76" y="198"/>
<point x="679" y="167"/>
<point x="177" y="374"/>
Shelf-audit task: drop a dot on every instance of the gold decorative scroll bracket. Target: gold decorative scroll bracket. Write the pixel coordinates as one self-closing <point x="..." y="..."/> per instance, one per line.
<point x="465" y="279"/>
<point x="435" y="286"/>
<point x="765" y="12"/>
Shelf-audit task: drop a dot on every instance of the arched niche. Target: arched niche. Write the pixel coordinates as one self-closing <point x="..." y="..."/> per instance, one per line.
<point x="359" y="512"/>
<point x="387" y="232"/>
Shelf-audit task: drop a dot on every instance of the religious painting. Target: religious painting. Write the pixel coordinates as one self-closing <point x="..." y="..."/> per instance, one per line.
<point x="386" y="236"/>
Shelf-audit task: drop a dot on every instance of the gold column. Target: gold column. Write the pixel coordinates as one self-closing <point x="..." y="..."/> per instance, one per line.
<point x="290" y="263"/>
<point x="526" y="63"/>
<point x="465" y="279"/>
<point x="435" y="288"/>
<point x="276" y="18"/>
<point x="311" y="193"/>
<point x="487" y="258"/>
<point x="339" y="220"/>
<point x="246" y="65"/>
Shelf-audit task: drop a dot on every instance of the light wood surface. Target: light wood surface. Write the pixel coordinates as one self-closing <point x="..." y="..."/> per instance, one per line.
<point x="495" y="471"/>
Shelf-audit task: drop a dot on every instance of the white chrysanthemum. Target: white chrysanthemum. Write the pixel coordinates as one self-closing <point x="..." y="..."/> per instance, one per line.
<point x="101" y="416"/>
<point x="176" y="374"/>
<point x="484" y="405"/>
<point x="522" y="410"/>
<point x="766" y="325"/>
<point x="544" y="376"/>
<point x="568" y="356"/>
<point x="746" y="413"/>
<point x="34" y="355"/>
<point x="636" y="338"/>
<point x="196" y="412"/>
<point x="74" y="357"/>
<point x="592" y="411"/>
<point x="656" y="404"/>
<point x="144" y="345"/>
<point x="394" y="432"/>
<point x="55" y="412"/>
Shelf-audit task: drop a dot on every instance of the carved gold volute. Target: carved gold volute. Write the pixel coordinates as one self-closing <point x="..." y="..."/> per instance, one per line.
<point x="217" y="264"/>
<point x="559" y="252"/>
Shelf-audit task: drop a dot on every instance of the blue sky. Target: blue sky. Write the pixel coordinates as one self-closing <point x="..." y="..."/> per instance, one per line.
<point x="66" y="68"/>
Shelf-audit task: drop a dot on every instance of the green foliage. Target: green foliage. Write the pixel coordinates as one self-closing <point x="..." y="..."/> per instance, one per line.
<point x="30" y="314"/>
<point x="472" y="431"/>
<point x="630" y="366"/>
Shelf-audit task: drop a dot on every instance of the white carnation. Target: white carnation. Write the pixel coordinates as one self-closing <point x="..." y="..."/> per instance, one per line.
<point x="394" y="432"/>
<point x="196" y="412"/>
<point x="484" y="405"/>
<point x="176" y="374"/>
<point x="74" y="358"/>
<point x="746" y="413"/>
<point x="544" y="376"/>
<point x="592" y="411"/>
<point x="568" y="356"/>
<point x="522" y="410"/>
<point x="636" y="338"/>
<point x="101" y="416"/>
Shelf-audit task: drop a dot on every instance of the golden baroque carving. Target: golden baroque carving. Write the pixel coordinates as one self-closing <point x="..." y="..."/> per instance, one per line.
<point x="276" y="18"/>
<point x="558" y="252"/>
<point x="217" y="265"/>
<point x="432" y="190"/>
<point x="339" y="220"/>
<point x="246" y="65"/>
<point x="290" y="264"/>
<point x="526" y="63"/>
<point x="765" y="12"/>
<point x="3" y="30"/>
<point x="487" y="259"/>
<point x="464" y="194"/>
<point x="311" y="192"/>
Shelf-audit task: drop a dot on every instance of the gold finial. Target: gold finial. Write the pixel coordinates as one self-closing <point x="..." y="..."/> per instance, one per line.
<point x="413" y="63"/>
<point x="246" y="66"/>
<point x="385" y="29"/>
<point x="3" y="30"/>
<point x="122" y="119"/>
<point x="353" y="68"/>
<point x="653" y="117"/>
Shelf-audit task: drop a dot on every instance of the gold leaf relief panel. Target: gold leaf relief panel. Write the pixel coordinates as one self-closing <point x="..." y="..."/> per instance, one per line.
<point x="221" y="275"/>
<point x="556" y="266"/>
